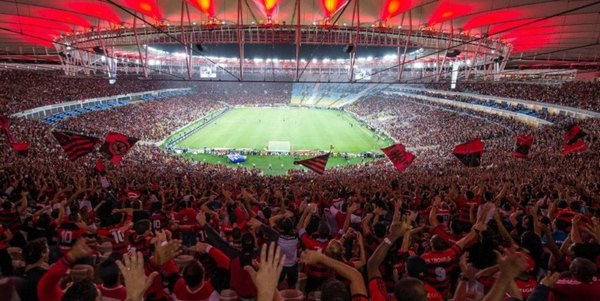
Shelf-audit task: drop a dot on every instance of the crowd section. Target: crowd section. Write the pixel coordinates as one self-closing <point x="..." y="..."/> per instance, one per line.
<point x="148" y="121"/>
<point x="22" y="89"/>
<point x="157" y="227"/>
<point x="583" y="95"/>
<point x="245" y="94"/>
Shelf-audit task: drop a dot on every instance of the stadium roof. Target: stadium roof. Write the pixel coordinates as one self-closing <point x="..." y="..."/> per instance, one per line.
<point x="536" y="28"/>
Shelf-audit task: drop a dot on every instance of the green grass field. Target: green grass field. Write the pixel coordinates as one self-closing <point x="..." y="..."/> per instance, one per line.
<point x="304" y="128"/>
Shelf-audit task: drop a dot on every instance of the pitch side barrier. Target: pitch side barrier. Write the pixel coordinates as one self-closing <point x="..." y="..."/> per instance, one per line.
<point x="187" y="132"/>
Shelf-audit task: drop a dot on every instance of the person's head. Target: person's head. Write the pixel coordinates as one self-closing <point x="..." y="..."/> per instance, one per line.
<point x="583" y="269"/>
<point x="193" y="274"/>
<point x="438" y="243"/>
<point x="74" y="217"/>
<point x="36" y="251"/>
<point x="142" y="227"/>
<point x="335" y="250"/>
<point x="108" y="272"/>
<point x="286" y="225"/>
<point x="410" y="289"/>
<point x="416" y="267"/>
<point x="335" y="290"/>
<point x="83" y="290"/>
<point x="469" y="195"/>
<point x="324" y="230"/>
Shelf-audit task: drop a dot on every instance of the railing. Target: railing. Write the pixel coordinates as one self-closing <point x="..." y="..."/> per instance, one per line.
<point x="286" y="34"/>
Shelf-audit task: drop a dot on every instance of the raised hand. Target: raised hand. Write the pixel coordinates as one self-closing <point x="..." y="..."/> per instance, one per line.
<point x="165" y="250"/>
<point x="134" y="276"/>
<point x="269" y="269"/>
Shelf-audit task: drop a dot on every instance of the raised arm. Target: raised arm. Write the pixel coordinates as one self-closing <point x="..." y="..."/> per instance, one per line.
<point x="357" y="284"/>
<point x="397" y="231"/>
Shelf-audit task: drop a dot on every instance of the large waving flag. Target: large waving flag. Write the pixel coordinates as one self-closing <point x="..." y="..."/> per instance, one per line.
<point x="577" y="147"/>
<point x="316" y="164"/>
<point x="574" y="142"/>
<point x="22" y="148"/>
<point x="399" y="156"/>
<point x="573" y="133"/>
<point x="470" y="153"/>
<point x="75" y="145"/>
<point x="524" y="143"/>
<point x="116" y="146"/>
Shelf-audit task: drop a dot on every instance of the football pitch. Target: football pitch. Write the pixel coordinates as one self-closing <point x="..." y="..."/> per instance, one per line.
<point x="304" y="128"/>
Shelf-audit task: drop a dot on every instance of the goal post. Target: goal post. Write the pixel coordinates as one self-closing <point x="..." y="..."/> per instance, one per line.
<point x="281" y="147"/>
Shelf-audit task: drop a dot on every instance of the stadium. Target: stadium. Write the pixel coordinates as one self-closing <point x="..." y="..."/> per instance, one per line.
<point x="292" y="150"/>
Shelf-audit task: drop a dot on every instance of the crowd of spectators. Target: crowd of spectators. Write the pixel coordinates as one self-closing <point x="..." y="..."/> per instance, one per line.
<point x="248" y="93"/>
<point x="22" y="90"/>
<point x="583" y="95"/>
<point x="158" y="227"/>
<point x="149" y="121"/>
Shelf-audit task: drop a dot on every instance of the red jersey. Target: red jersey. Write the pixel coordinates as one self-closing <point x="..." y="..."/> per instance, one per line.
<point x="118" y="293"/>
<point x="68" y="233"/>
<point x="141" y="243"/>
<point x="319" y="270"/>
<point x="117" y="237"/>
<point x="571" y="289"/>
<point x="464" y="208"/>
<point x="186" y="217"/>
<point x="526" y="286"/>
<point x="439" y="265"/>
<point x="160" y="220"/>
<point x="378" y="292"/>
<point x="205" y="292"/>
<point x="2" y="237"/>
<point x="11" y="219"/>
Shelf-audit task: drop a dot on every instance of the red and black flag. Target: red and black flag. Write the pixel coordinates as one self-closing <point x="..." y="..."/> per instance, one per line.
<point x="524" y="143"/>
<point x="117" y="145"/>
<point x="316" y="164"/>
<point x="22" y="148"/>
<point x="574" y="133"/>
<point x="577" y="147"/>
<point x="399" y="156"/>
<point x="470" y="153"/>
<point x="75" y="145"/>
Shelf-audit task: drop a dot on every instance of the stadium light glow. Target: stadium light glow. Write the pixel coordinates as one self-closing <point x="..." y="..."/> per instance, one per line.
<point x="418" y="65"/>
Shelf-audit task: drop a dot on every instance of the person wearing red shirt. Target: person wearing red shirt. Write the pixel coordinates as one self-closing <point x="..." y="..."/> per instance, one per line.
<point x="464" y="203"/>
<point x="193" y="286"/>
<point x="316" y="274"/>
<point x="111" y="288"/>
<point x="582" y="285"/>
<point x="117" y="233"/>
<point x="160" y="219"/>
<point x="69" y="232"/>
<point x="441" y="261"/>
<point x="186" y="222"/>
